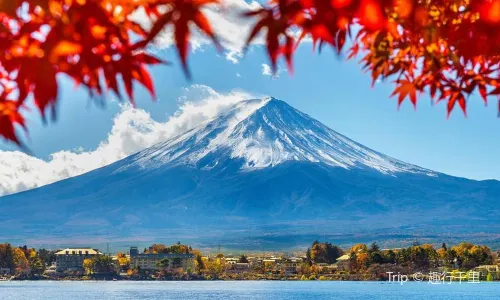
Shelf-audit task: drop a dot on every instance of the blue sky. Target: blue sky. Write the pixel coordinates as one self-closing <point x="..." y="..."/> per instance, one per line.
<point x="325" y="86"/>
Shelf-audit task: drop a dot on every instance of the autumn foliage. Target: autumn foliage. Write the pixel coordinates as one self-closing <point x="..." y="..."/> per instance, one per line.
<point x="448" y="48"/>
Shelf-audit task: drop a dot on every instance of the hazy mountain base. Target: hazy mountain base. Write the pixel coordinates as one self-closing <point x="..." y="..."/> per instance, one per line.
<point x="279" y="208"/>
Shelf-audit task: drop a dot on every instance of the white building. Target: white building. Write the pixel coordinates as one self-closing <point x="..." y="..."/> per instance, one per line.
<point x="71" y="259"/>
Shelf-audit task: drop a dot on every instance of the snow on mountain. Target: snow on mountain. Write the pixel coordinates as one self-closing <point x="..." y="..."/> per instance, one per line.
<point x="264" y="133"/>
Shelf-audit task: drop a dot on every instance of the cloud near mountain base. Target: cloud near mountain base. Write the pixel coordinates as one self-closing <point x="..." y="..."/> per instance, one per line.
<point x="133" y="130"/>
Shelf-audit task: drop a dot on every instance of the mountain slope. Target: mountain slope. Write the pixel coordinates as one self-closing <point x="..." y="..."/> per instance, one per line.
<point x="260" y="172"/>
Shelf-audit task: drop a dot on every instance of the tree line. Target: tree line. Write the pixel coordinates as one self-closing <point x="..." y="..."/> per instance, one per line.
<point x="416" y="257"/>
<point x="319" y="259"/>
<point x="23" y="259"/>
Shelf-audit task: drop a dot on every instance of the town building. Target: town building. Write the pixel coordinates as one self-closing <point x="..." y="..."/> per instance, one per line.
<point x="342" y="263"/>
<point x="149" y="261"/>
<point x="71" y="259"/>
<point x="288" y="266"/>
<point x="238" y="268"/>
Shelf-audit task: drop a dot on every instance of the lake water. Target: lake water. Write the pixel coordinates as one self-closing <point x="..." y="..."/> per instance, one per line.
<point x="273" y="290"/>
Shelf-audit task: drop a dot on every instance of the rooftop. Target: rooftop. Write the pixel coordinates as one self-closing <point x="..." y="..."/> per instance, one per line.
<point x="77" y="251"/>
<point x="344" y="257"/>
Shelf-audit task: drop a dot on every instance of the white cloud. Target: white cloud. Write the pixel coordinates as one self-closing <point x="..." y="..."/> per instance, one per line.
<point x="238" y="75"/>
<point x="132" y="131"/>
<point x="227" y="22"/>
<point x="267" y="71"/>
<point x="234" y="56"/>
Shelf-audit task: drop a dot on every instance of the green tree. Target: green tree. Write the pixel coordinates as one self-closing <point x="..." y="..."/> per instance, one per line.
<point x="308" y="256"/>
<point x="376" y="256"/>
<point x="199" y="263"/>
<point x="102" y="264"/>
<point x="163" y="264"/>
<point x="37" y="265"/>
<point x="6" y="256"/>
<point x="420" y="257"/>
<point x="389" y="257"/>
<point x="176" y="262"/>
<point x="451" y="255"/>
<point x="374" y="247"/>
<point x="47" y="256"/>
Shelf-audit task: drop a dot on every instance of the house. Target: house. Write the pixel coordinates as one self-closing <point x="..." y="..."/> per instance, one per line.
<point x="238" y="268"/>
<point x="149" y="261"/>
<point x="343" y="262"/>
<point x="331" y="268"/>
<point x="484" y="270"/>
<point x="71" y="259"/>
<point x="395" y="250"/>
<point x="489" y="268"/>
<point x="270" y="265"/>
<point x="51" y="270"/>
<point x="231" y="260"/>
<point x="288" y="266"/>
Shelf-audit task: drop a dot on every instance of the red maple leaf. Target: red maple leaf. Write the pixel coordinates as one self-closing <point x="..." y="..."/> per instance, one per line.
<point x="180" y="15"/>
<point x="405" y="88"/>
<point x="276" y="21"/>
<point x="9" y="117"/>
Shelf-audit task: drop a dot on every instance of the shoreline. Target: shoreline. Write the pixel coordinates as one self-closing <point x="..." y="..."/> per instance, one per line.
<point x="234" y="280"/>
<point x="110" y="279"/>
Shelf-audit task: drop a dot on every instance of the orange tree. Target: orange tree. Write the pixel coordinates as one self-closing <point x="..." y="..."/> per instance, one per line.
<point x="448" y="48"/>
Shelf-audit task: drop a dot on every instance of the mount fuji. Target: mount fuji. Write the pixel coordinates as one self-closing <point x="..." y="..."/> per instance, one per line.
<point x="259" y="175"/>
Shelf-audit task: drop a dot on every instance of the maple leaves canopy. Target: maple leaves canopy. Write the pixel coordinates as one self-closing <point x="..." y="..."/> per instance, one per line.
<point x="87" y="40"/>
<point x="448" y="48"/>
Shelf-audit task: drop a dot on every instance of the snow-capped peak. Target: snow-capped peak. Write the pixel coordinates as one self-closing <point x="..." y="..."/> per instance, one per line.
<point x="261" y="133"/>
